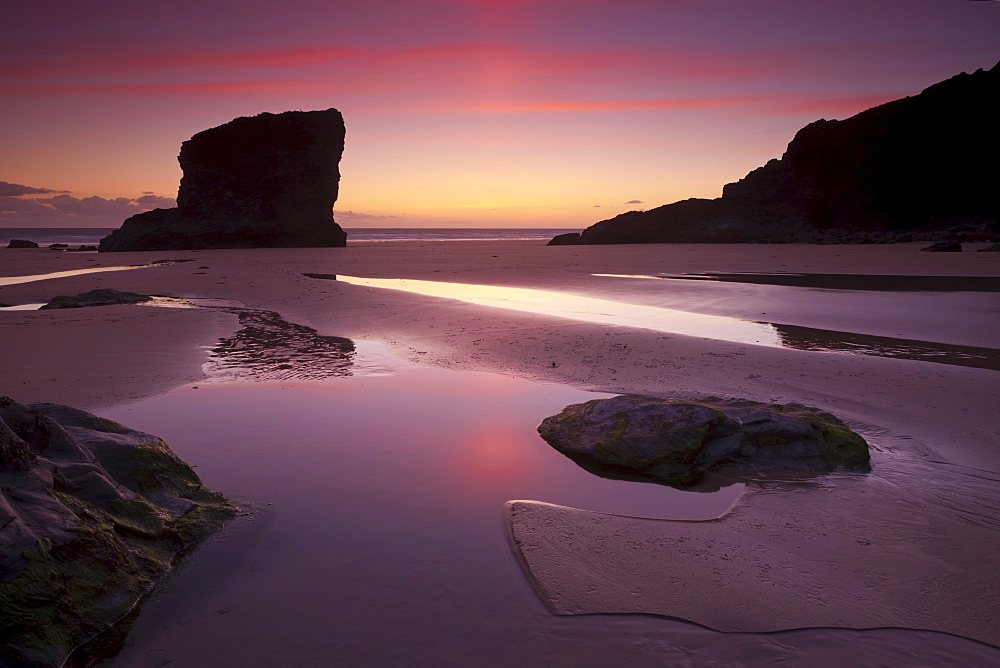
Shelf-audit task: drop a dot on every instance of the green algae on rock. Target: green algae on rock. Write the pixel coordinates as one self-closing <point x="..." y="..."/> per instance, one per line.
<point x="676" y="442"/>
<point x="92" y="514"/>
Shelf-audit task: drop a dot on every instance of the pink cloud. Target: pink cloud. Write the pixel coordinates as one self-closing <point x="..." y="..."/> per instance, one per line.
<point x="194" y="88"/>
<point x="526" y="62"/>
<point x="141" y="61"/>
<point x="16" y="190"/>
<point x="755" y="105"/>
<point x="149" y="199"/>
<point x="840" y="106"/>
<point x="619" y="105"/>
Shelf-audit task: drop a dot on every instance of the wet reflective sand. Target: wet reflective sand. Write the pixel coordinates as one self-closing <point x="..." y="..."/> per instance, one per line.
<point x="774" y="335"/>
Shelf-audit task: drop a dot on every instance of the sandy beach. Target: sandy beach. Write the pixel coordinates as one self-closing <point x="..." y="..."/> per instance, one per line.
<point x="934" y="426"/>
<point x="949" y="410"/>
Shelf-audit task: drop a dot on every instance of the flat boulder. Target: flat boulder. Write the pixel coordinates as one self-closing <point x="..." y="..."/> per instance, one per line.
<point x="21" y="243"/>
<point x="676" y="442"/>
<point x="102" y="297"/>
<point x="267" y="181"/>
<point x="92" y="514"/>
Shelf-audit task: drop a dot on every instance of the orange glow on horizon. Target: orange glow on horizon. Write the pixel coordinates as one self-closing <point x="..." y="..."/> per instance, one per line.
<point x="465" y="112"/>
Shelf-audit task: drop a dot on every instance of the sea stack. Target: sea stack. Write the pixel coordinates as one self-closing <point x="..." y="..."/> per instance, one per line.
<point x="922" y="167"/>
<point x="267" y="181"/>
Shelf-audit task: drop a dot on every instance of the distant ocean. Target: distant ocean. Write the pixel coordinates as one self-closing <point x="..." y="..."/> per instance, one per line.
<point x="451" y="234"/>
<point x="43" y="236"/>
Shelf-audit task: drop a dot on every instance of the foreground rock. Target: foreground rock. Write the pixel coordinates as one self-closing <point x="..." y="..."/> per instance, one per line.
<point x="21" y="243"/>
<point x="269" y="181"/>
<point x="92" y="513"/>
<point x="102" y="297"/>
<point x="676" y="442"/>
<point x="901" y="171"/>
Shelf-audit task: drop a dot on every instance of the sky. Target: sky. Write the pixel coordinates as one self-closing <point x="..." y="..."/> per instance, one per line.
<point x="467" y="113"/>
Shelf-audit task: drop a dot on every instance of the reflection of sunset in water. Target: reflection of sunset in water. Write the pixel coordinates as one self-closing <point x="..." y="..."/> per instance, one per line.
<point x="492" y="454"/>
<point x="720" y="328"/>
<point x="17" y="280"/>
<point x="587" y="309"/>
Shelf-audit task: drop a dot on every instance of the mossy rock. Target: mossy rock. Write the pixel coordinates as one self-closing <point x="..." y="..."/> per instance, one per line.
<point x="97" y="515"/>
<point x="676" y="442"/>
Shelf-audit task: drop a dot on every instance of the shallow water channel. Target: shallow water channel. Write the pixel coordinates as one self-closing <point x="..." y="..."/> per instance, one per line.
<point x="675" y="321"/>
<point x="17" y="280"/>
<point x="377" y="533"/>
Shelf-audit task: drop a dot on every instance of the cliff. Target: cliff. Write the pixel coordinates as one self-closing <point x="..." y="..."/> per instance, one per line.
<point x="262" y="182"/>
<point x="910" y="168"/>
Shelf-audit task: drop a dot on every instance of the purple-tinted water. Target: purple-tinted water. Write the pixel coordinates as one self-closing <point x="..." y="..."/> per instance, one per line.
<point x="383" y="540"/>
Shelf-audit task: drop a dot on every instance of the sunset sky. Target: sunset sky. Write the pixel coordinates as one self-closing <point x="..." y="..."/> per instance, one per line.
<point x="528" y="113"/>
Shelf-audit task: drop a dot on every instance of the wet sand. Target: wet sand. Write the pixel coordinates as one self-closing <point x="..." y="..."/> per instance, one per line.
<point x="108" y="357"/>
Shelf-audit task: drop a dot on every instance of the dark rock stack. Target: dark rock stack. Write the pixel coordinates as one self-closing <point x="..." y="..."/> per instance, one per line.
<point x="905" y="170"/>
<point x="92" y="513"/>
<point x="676" y="442"/>
<point x="21" y="243"/>
<point x="269" y="181"/>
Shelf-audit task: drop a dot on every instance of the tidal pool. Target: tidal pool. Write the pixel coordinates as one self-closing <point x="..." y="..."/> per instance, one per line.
<point x="379" y="535"/>
<point x="383" y="537"/>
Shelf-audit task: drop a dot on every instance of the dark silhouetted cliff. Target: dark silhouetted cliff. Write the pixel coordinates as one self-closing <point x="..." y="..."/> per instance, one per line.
<point x="905" y="169"/>
<point x="266" y="181"/>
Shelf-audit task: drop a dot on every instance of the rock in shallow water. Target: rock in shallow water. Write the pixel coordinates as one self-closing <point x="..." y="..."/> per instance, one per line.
<point x="92" y="513"/>
<point x="676" y="442"/>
